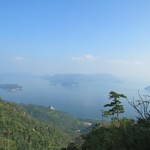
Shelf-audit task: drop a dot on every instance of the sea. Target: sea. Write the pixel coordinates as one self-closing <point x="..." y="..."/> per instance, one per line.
<point x="84" y="101"/>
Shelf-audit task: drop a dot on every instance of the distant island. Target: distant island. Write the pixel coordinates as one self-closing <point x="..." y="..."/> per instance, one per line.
<point x="75" y="80"/>
<point x="147" y="88"/>
<point x="11" y="87"/>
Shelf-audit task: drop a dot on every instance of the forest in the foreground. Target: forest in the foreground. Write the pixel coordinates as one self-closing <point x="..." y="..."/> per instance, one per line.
<point x="33" y="127"/>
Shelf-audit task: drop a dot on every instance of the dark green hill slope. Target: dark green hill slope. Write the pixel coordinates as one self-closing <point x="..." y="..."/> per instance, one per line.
<point x="20" y="131"/>
<point x="63" y="120"/>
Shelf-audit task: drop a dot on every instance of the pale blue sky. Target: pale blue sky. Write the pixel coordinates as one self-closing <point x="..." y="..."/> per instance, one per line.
<point x="76" y="36"/>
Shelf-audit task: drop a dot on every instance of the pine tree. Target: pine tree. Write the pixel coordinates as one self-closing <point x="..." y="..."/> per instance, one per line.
<point x="116" y="107"/>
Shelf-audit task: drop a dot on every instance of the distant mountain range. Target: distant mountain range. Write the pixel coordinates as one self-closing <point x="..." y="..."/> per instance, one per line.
<point x="75" y="80"/>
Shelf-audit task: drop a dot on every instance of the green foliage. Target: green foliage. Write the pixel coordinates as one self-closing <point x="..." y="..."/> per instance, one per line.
<point x="76" y="145"/>
<point x="127" y="136"/>
<point x="19" y="131"/>
<point x="121" y="134"/>
<point x="116" y="107"/>
<point x="7" y="144"/>
<point x="63" y="120"/>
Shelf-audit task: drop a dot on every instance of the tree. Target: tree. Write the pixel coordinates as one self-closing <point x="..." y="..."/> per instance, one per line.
<point x="116" y="107"/>
<point x="141" y="106"/>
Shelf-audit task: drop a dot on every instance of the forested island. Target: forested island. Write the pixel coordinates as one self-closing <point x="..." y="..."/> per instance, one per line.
<point x="76" y="80"/>
<point x="11" y="87"/>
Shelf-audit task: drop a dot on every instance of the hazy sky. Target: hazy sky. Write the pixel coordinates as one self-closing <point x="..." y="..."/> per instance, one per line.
<point x="76" y="36"/>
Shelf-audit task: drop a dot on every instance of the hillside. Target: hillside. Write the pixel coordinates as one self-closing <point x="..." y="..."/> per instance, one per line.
<point x="20" y="131"/>
<point x="63" y="120"/>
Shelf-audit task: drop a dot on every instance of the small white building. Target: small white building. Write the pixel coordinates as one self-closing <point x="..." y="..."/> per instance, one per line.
<point x="51" y="107"/>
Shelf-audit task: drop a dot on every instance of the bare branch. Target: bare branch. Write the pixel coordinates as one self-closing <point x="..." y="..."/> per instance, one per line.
<point x="141" y="106"/>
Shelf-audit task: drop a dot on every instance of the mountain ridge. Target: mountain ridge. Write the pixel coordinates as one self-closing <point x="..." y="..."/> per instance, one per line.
<point x="63" y="120"/>
<point x="21" y="131"/>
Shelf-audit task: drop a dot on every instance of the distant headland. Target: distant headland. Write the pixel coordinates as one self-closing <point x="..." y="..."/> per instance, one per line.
<point x="11" y="87"/>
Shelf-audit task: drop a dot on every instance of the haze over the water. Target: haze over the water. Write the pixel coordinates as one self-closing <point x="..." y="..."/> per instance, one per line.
<point x="82" y="36"/>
